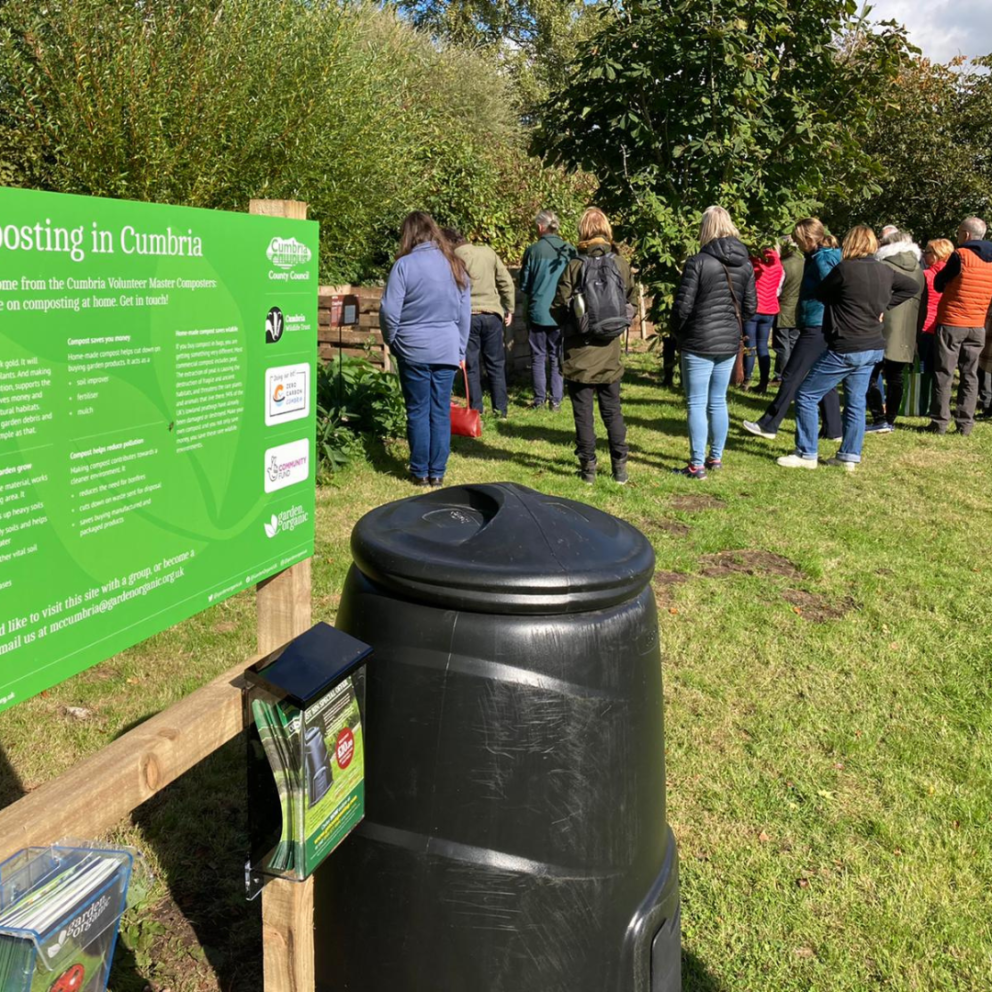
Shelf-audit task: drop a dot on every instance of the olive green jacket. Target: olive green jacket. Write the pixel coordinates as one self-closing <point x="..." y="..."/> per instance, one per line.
<point x="589" y="362"/>
<point x="788" y="298"/>
<point x="901" y="322"/>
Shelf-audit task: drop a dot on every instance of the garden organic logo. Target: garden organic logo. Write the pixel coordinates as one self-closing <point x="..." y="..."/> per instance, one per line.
<point x="80" y="925"/>
<point x="286" y="521"/>
<point x="287" y="253"/>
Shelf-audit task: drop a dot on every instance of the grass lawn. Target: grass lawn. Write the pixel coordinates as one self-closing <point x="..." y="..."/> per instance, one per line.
<point x="827" y="644"/>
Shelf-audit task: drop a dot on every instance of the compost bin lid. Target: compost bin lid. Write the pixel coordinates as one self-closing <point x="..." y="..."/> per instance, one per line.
<point x="502" y="548"/>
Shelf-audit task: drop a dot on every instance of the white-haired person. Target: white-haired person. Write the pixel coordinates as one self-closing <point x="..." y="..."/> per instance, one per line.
<point x="715" y="299"/>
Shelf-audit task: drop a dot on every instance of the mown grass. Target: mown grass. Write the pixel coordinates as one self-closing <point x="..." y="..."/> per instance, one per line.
<point x="828" y="718"/>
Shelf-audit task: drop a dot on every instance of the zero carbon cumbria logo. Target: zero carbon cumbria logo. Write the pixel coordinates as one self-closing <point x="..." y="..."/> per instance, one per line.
<point x="286" y="253"/>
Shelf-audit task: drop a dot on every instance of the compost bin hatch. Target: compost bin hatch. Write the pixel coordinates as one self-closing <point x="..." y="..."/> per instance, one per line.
<point x="502" y="548"/>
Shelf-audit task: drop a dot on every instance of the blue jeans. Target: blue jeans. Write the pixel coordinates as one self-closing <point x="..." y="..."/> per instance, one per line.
<point x="427" y="391"/>
<point x="756" y="330"/>
<point x="545" y="346"/>
<point x="486" y="348"/>
<point x="706" y="379"/>
<point x="832" y="369"/>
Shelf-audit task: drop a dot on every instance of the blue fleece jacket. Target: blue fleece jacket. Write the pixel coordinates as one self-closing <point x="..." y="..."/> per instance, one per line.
<point x="810" y="311"/>
<point x="425" y="318"/>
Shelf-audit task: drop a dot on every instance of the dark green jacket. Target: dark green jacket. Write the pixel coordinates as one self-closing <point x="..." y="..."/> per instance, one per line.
<point x="544" y="262"/>
<point x="589" y="362"/>
<point x="788" y="298"/>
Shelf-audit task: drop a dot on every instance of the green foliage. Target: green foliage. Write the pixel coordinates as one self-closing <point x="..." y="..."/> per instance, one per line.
<point x="747" y="103"/>
<point x="209" y="104"/>
<point x="355" y="401"/>
<point x="932" y="136"/>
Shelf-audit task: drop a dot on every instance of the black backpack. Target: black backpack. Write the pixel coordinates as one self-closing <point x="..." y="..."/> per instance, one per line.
<point x="607" y="313"/>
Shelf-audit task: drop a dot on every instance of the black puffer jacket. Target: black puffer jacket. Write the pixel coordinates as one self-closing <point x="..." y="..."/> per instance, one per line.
<point x="705" y="319"/>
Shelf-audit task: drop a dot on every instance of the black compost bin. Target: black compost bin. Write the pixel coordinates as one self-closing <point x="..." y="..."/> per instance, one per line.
<point x="515" y="837"/>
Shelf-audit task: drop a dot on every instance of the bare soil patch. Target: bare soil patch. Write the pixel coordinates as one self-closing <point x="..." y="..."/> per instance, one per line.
<point x="816" y="608"/>
<point x="750" y="561"/>
<point x="698" y="501"/>
<point x="664" y="586"/>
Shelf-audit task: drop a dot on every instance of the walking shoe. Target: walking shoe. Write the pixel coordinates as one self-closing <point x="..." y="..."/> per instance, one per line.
<point x="882" y="428"/>
<point x="838" y="463"/>
<point x="555" y="407"/>
<point x="620" y="476"/>
<point x="538" y="404"/>
<point x="963" y="431"/>
<point x="436" y="481"/>
<point x="753" y="428"/>
<point x="836" y="439"/>
<point x="794" y="461"/>
<point x="418" y="481"/>
<point x="587" y="472"/>
<point x="713" y="464"/>
<point x="691" y="472"/>
<point x="933" y="428"/>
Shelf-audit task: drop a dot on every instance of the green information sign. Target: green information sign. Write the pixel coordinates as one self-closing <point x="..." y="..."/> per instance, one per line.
<point x="157" y="415"/>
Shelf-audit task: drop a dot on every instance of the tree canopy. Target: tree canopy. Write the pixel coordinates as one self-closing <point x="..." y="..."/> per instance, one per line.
<point x="752" y="104"/>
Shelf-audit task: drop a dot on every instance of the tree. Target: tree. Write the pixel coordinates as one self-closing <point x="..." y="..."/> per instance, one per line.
<point x="932" y="136"/>
<point x="751" y="104"/>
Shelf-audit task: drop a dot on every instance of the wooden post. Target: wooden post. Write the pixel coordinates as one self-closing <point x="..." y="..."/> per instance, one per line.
<point x="283" y="604"/>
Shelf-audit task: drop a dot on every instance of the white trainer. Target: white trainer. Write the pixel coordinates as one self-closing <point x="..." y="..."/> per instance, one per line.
<point x="753" y="428"/>
<point x="840" y="463"/>
<point x="794" y="461"/>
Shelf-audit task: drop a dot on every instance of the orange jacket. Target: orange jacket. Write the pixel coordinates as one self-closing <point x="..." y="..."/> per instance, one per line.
<point x="966" y="282"/>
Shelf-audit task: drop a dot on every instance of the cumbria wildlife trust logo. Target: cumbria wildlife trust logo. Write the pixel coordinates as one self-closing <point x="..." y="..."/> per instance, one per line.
<point x="274" y="324"/>
<point x="287" y="253"/>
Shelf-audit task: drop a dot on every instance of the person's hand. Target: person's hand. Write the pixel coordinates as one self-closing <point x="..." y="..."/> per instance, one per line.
<point x="461" y="364"/>
<point x="508" y="319"/>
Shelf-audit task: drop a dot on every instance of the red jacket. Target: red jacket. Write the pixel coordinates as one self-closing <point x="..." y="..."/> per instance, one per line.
<point x="931" y="298"/>
<point x="768" y="276"/>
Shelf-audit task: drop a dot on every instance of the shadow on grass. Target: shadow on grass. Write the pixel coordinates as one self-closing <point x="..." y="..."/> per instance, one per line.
<point x="696" y="977"/>
<point x="11" y="786"/>
<point x="198" y="831"/>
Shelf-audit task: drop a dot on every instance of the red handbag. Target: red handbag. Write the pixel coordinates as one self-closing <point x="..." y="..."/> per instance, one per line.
<point x="465" y="421"/>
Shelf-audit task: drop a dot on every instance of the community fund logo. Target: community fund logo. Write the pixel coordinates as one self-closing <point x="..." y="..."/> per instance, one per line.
<point x="287" y="394"/>
<point x="274" y="325"/>
<point x="287" y="464"/>
<point x="287" y="253"/>
<point x="286" y="521"/>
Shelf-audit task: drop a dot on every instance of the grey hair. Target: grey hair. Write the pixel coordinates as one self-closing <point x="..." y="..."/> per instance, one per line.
<point x="548" y="219"/>
<point x="895" y="237"/>
<point x="888" y="229"/>
<point x="975" y="226"/>
<point x="716" y="223"/>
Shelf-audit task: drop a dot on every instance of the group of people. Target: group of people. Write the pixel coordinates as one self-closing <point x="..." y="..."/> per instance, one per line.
<point x="856" y="314"/>
<point x="445" y="305"/>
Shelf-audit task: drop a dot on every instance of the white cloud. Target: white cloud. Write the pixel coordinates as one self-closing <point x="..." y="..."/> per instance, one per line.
<point x="942" y="28"/>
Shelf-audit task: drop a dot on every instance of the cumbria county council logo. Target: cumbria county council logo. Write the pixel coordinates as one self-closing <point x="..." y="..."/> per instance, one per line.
<point x="285" y="253"/>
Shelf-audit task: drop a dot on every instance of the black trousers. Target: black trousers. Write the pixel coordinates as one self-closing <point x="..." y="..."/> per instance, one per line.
<point x="608" y="395"/>
<point x="485" y="349"/>
<point x="885" y="411"/>
<point x="807" y="350"/>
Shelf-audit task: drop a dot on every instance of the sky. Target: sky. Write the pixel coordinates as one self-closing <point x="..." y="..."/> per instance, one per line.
<point x="942" y="28"/>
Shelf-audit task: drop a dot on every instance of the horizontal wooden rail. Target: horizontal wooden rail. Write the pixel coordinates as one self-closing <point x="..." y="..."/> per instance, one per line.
<point x="98" y="792"/>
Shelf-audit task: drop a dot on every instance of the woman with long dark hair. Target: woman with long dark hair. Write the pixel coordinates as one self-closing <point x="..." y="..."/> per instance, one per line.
<point x="426" y="315"/>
